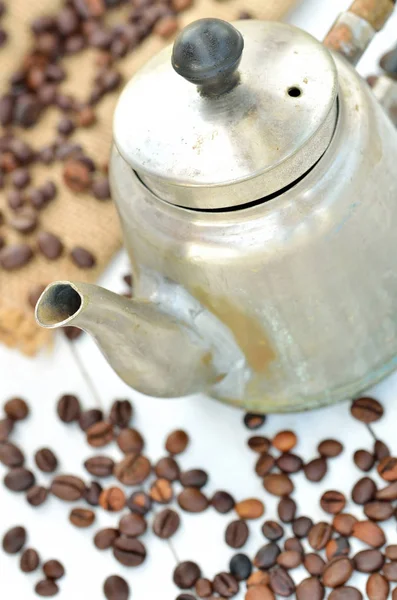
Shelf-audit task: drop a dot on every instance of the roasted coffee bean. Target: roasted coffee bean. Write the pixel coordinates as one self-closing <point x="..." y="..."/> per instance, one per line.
<point x="105" y="538"/>
<point x="133" y="469"/>
<point x="293" y="545"/>
<point x="89" y="417"/>
<point x="254" y="421"/>
<point x="378" y="511"/>
<point x="240" y="567"/>
<point x="67" y="487"/>
<point x="77" y="176"/>
<point x="319" y="536"/>
<point x="53" y="569"/>
<point x="289" y="559"/>
<point x="314" y="564"/>
<point x="101" y="188"/>
<point x="116" y="588"/>
<point x="19" y="479"/>
<point x="266" y="556"/>
<point x="289" y="463"/>
<point x="139" y="503"/>
<point x="364" y="460"/>
<point x="68" y="408"/>
<point x="258" y="578"/>
<point x="381" y="451"/>
<point x="223" y="502"/>
<point x="37" y="495"/>
<point x="310" y="589"/>
<point x="264" y="465"/>
<point x="100" y="434"/>
<point x="130" y="441"/>
<point x="46" y="460"/>
<point x="50" y="246"/>
<point x="92" y="493"/>
<point x="86" y="117"/>
<point x="112" y="499"/>
<point x="281" y="583"/>
<point x="337" y="573"/>
<point x="226" y="585"/>
<point x="66" y="126"/>
<point x="49" y="190"/>
<point x="259" y="444"/>
<point x="387" y="469"/>
<point x="203" y="588"/>
<point x="99" y="466"/>
<point x="6" y="428"/>
<point x="364" y="491"/>
<point x="286" y="510"/>
<point x="6" y="110"/>
<point x="259" y="592"/>
<point x="37" y="200"/>
<point x="236" y="534"/>
<point x="388" y="493"/>
<point x="192" y="500"/>
<point x="272" y="530"/>
<point x="391" y="552"/>
<point x="377" y="587"/>
<point x="11" y="455"/>
<point x="337" y="547"/>
<point x="343" y="524"/>
<point x="390" y="571"/>
<point x="121" y="413"/>
<point x="14" y="540"/>
<point x="302" y="526"/>
<point x="83" y="258"/>
<point x="250" y="508"/>
<point x="368" y="561"/>
<point x="15" y="200"/>
<point x="177" y="442"/>
<point x="82" y="517"/>
<point x="285" y="441"/>
<point x="316" y="469"/>
<point x="370" y="533"/>
<point x="16" y="409"/>
<point x="333" y="502"/>
<point x="25" y="221"/>
<point x="186" y="574"/>
<point x="20" y="178"/>
<point x="130" y="552"/>
<point x="194" y="478"/>
<point x="367" y="410"/>
<point x="46" y="587"/>
<point x="29" y="560"/>
<point x="167" y="468"/>
<point x="330" y="448"/>
<point x="278" y="484"/>
<point x="132" y="525"/>
<point x="166" y="523"/>
<point x="27" y="110"/>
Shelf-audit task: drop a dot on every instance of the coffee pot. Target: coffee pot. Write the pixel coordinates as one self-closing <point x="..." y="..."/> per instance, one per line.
<point x="255" y="177"/>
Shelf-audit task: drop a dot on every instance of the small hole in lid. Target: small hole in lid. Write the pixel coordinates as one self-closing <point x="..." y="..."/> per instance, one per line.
<point x="294" y="92"/>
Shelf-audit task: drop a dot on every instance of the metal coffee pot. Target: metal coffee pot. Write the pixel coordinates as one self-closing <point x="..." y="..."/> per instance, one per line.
<point x="255" y="177"/>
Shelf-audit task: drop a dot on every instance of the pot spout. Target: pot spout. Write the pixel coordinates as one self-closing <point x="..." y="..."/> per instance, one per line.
<point x="150" y="350"/>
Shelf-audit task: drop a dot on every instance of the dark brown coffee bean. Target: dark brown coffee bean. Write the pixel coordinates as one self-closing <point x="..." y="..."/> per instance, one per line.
<point x="20" y="178"/>
<point x="364" y="460"/>
<point x="278" y="484"/>
<point x="226" y="585"/>
<point x="81" y="517"/>
<point x="343" y="524"/>
<point x="177" y="442"/>
<point x="266" y="556"/>
<point x="203" y="588"/>
<point x="100" y="434"/>
<point x="390" y="571"/>
<point x="377" y="587"/>
<point x="15" y="200"/>
<point x="34" y="294"/>
<point x="29" y="560"/>
<point x="167" y="468"/>
<point x="281" y="583"/>
<point x="378" y="511"/>
<point x="166" y="523"/>
<point x="121" y="413"/>
<point x="272" y="530"/>
<point x="310" y="589"/>
<point x="11" y="455"/>
<point x="254" y="421"/>
<point x="67" y="487"/>
<point x="337" y="547"/>
<point x="330" y="448"/>
<point x="77" y="176"/>
<point x="27" y="110"/>
<point x="319" y="536"/>
<point x="14" y="540"/>
<point x="387" y="468"/>
<point x="293" y="545"/>
<point x="139" y="503"/>
<point x="6" y="110"/>
<point x="112" y="499"/>
<point x="367" y="410"/>
<point x="49" y="190"/>
<point x="25" y="221"/>
<point x="364" y="491"/>
<point x="36" y="199"/>
<point x="101" y="188"/>
<point x="19" y="479"/>
<point x="264" y="465"/>
<point x="302" y="526"/>
<point x="132" y="525"/>
<point x="289" y="559"/>
<point x="223" y="502"/>
<point x="89" y="417"/>
<point x="92" y="493"/>
<point x="370" y="533"/>
<point x="259" y="444"/>
<point x="236" y="534"/>
<point x="49" y="245"/>
<point x="37" y="495"/>
<point x="16" y="409"/>
<point x="387" y="493"/>
<point x="381" y="451"/>
<point x="368" y="561"/>
<point x="391" y="552"/>
<point x="314" y="564"/>
<point x="289" y="463"/>
<point x="46" y="460"/>
<point x="337" y="573"/>
<point x="285" y="441"/>
<point x="66" y="126"/>
<point x="316" y="469"/>
<point x="68" y="408"/>
<point x="99" y="466"/>
<point x="130" y="441"/>
<point x="53" y="569"/>
<point x="46" y="588"/>
<point x="6" y="428"/>
<point x="194" y="478"/>
<point x="192" y="500"/>
<point x="133" y="469"/>
<point x="186" y="575"/>
<point x="83" y="258"/>
<point x="286" y="510"/>
<point x="130" y="552"/>
<point x="333" y="502"/>
<point x="116" y="588"/>
<point x="105" y="538"/>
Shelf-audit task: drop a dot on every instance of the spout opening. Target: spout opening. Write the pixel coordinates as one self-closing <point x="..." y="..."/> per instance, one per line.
<point x="59" y="303"/>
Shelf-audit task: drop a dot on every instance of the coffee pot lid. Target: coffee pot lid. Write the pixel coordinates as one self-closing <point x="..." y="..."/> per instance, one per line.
<point x="230" y="114"/>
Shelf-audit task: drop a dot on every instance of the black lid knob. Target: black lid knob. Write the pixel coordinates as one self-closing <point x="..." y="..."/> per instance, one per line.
<point x="208" y="52"/>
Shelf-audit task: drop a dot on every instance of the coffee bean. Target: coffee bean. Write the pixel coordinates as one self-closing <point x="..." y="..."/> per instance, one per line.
<point x="86" y="117"/>
<point x="203" y="588"/>
<point x="293" y="545"/>
<point x="6" y="428"/>
<point x="177" y="442"/>
<point x="82" y="258"/>
<point x="133" y="469"/>
<point x="302" y="526"/>
<point x="15" y="200"/>
<point x="89" y="417"/>
<point x="24" y="222"/>
<point x="337" y="547"/>
<point x="166" y="523"/>
<point x="99" y="466"/>
<point x="167" y="468"/>
<point x="240" y="567"/>
<point x="259" y="592"/>
<point x="112" y="499"/>
<point x="223" y="502"/>
<point x="139" y="503"/>
<point x="264" y="465"/>
<point x="21" y="178"/>
<point x="378" y="511"/>
<point x="391" y="552"/>
<point x="34" y="294"/>
<point x="390" y="571"/>
<point x="387" y="469"/>
<point x="121" y="413"/>
<point x="364" y="491"/>
<point x="6" y="110"/>
<point x="46" y="587"/>
<point x="272" y="530"/>
<point x="27" y="110"/>
<point x="367" y="410"/>
<point x="11" y="455"/>
<point x="132" y="525"/>
<point x="130" y="552"/>
<point x="388" y="63"/>
<point x="46" y="460"/>
<point x="130" y="441"/>
<point x="68" y="408"/>
<point x="92" y="493"/>
<point x="161" y="491"/>
<point x="101" y="188"/>
<point x="236" y="534"/>
<point x="364" y="460"/>
<point x="377" y="587"/>
<point x="14" y="540"/>
<point x="187" y="597"/>
<point x="186" y="574"/>
<point x="19" y="479"/>
<point x="49" y="245"/>
<point x="105" y="538"/>
<point x="192" y="500"/>
<point x="370" y="533"/>
<point x="67" y="487"/>
<point x="387" y="493"/>
<point x="289" y="559"/>
<point x="368" y="561"/>
<point x="116" y="588"/>
<point x="254" y="421"/>
<point x="319" y="536"/>
<point x="281" y="583"/>
<point x="77" y="176"/>
<point x="226" y="585"/>
<point x="37" y="495"/>
<point x="53" y="569"/>
<point x="266" y="556"/>
<point x="258" y="578"/>
<point x="343" y="524"/>
<point x="337" y="573"/>
<point x="330" y="448"/>
<point x="286" y="510"/>
<point x="194" y="478"/>
<point x="249" y="509"/>
<point x="314" y="564"/>
<point x="29" y="560"/>
<point x="381" y="450"/>
<point x="332" y="502"/>
<point x="310" y="589"/>
<point x="278" y="484"/>
<point x="82" y="517"/>
<point x="100" y="434"/>
<point x="259" y="444"/>
<point x="316" y="469"/>
<point x="66" y="126"/>
<point x="289" y="463"/>
<point x="285" y="441"/>
<point x="16" y="409"/>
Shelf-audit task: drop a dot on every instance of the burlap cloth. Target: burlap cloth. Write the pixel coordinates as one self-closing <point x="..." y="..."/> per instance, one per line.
<point x="80" y="220"/>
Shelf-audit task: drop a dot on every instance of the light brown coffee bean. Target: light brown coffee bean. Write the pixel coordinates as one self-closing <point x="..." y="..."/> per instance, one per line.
<point x="390" y="571"/>
<point x="192" y="500"/>
<point x="134" y="469"/>
<point x="285" y="441"/>
<point x="370" y="533"/>
<point x="377" y="587"/>
<point x="112" y="499"/>
<point x="130" y="441"/>
<point x="161" y="491"/>
<point x="289" y="559"/>
<point x="330" y="448"/>
<point x="337" y="573"/>
<point x="251" y="508"/>
<point x="278" y="484"/>
<point x="343" y="524"/>
<point x="177" y="442"/>
<point x="310" y="589"/>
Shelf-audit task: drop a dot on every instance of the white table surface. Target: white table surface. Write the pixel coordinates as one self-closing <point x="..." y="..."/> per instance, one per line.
<point x="218" y="445"/>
